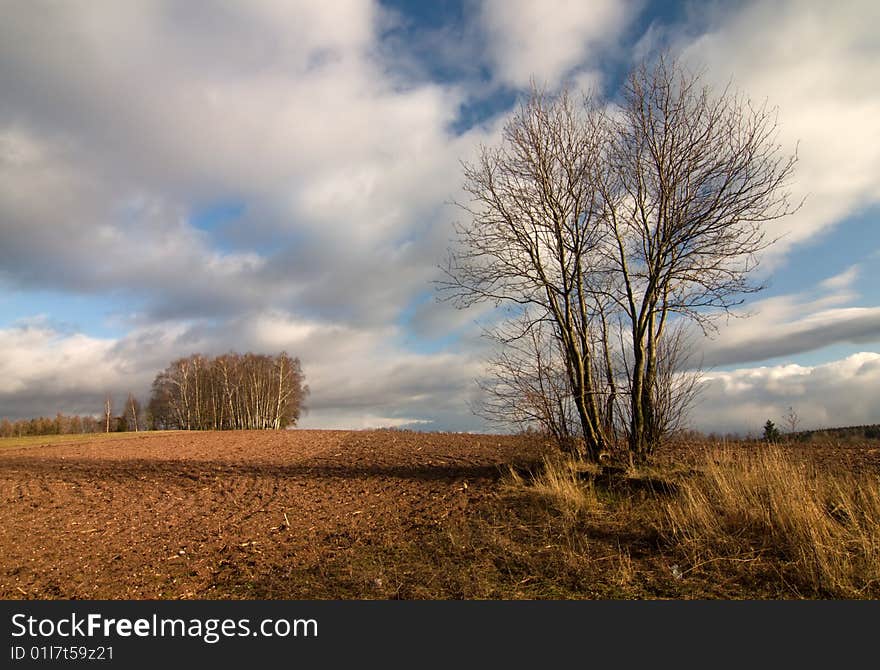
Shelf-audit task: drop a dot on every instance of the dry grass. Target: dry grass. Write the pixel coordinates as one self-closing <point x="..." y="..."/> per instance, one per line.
<point x="563" y="482"/>
<point x="758" y="522"/>
<point x="819" y="530"/>
<point x="706" y="522"/>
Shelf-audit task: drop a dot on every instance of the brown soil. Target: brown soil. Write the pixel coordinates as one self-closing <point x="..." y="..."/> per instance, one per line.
<point x="231" y="515"/>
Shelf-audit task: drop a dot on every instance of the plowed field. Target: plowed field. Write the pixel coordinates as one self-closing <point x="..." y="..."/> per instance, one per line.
<point x="230" y="515"/>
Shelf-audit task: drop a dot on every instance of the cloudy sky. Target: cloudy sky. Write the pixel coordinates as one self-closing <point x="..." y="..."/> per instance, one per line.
<point x="265" y="175"/>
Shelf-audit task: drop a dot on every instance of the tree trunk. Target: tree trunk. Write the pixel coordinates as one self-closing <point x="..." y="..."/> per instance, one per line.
<point x="637" y="417"/>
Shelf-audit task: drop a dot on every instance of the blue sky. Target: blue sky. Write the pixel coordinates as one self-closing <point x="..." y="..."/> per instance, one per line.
<point x="277" y="175"/>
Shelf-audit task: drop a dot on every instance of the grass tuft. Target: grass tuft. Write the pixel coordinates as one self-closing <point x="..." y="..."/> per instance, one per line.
<point x="562" y="481"/>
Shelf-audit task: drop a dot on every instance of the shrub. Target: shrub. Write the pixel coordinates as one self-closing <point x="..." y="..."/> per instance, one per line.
<point x="771" y="432"/>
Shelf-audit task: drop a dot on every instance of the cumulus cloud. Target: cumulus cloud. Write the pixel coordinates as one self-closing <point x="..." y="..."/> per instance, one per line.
<point x="284" y="107"/>
<point x="548" y="40"/>
<point x="816" y="61"/>
<point x="838" y="393"/>
<point x="33" y="355"/>
<point x="43" y="371"/>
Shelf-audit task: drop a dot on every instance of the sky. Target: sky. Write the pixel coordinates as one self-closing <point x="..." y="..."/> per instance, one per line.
<point x="180" y="177"/>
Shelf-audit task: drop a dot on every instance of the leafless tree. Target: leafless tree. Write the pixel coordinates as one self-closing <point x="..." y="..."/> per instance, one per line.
<point x="108" y="412"/>
<point x="132" y="412"/>
<point x="613" y="224"/>
<point x="531" y="230"/>
<point x="792" y="420"/>
<point x="690" y="179"/>
<point x="527" y="385"/>
<point x="232" y="391"/>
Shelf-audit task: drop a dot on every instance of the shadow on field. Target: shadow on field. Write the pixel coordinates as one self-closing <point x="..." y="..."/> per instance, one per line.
<point x="618" y="479"/>
<point x="206" y="471"/>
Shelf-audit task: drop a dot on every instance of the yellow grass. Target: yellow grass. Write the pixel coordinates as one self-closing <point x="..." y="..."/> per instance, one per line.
<point x="754" y="518"/>
<point x="559" y="480"/>
<point x="822" y="529"/>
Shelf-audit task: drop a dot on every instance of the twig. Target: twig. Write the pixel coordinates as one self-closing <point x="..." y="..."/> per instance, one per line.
<point x="720" y="558"/>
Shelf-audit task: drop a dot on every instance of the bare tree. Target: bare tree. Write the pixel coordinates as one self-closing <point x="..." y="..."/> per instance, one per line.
<point x="792" y="420"/>
<point x="527" y="385"/>
<point x="612" y="226"/>
<point x="108" y="412"/>
<point x="232" y="391"/>
<point x="531" y="229"/>
<point x="132" y="411"/>
<point x="689" y="179"/>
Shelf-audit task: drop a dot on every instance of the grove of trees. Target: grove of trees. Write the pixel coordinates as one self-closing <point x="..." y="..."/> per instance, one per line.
<point x="604" y="230"/>
<point x="229" y="392"/>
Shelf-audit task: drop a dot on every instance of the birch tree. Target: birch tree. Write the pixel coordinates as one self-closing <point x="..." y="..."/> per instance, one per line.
<point x="108" y="411"/>
<point x="133" y="412"/>
<point x="229" y="392"/>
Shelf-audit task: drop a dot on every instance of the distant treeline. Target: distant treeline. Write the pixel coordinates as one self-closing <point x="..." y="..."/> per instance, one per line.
<point x="60" y="425"/>
<point x="867" y="432"/>
<point x="229" y="392"/>
<point x="870" y="432"/>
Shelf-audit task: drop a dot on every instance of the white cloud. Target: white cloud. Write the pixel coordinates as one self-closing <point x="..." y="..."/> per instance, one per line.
<point x="843" y="280"/>
<point x="34" y="354"/>
<point x="816" y="61"/>
<point x="549" y="39"/>
<point x="838" y="393"/>
<point x="796" y="323"/>
<point x="285" y="107"/>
